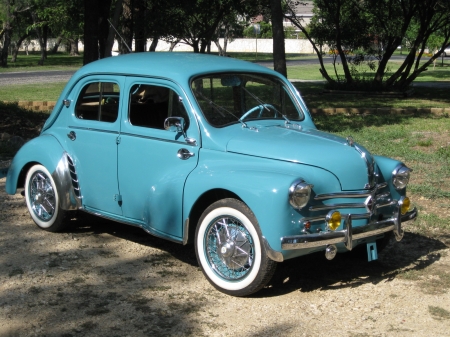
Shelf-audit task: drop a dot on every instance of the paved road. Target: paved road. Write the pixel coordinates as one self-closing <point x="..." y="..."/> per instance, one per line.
<point x="31" y="77"/>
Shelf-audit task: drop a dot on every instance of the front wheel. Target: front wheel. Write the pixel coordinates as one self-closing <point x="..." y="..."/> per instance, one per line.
<point x="228" y="245"/>
<point x="42" y="199"/>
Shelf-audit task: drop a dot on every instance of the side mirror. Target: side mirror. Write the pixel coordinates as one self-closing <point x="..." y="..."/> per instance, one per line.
<point x="177" y="124"/>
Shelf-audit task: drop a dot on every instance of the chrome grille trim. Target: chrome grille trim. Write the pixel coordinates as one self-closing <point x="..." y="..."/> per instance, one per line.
<point x="73" y="176"/>
<point x="335" y="206"/>
<point x="359" y="194"/>
<point x="322" y="218"/>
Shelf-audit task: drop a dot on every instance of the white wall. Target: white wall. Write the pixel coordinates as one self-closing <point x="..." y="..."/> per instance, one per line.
<point x="238" y="45"/>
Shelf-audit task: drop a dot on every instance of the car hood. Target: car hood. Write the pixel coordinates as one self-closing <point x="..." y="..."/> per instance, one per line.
<point x="352" y="165"/>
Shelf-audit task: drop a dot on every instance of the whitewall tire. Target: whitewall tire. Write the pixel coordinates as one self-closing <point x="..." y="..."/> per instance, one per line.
<point x="228" y="245"/>
<point x="42" y="199"/>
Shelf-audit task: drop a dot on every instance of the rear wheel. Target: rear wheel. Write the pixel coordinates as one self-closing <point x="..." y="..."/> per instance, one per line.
<point x="228" y="245"/>
<point x="42" y="199"/>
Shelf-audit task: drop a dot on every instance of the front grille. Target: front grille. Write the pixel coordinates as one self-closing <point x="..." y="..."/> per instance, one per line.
<point x="73" y="176"/>
<point x="371" y="202"/>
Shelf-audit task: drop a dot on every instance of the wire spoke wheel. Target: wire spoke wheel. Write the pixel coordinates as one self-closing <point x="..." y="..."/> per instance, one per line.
<point x="230" y="250"/>
<point x="42" y="196"/>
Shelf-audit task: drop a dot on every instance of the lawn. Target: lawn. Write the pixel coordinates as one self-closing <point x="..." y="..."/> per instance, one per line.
<point x="312" y="91"/>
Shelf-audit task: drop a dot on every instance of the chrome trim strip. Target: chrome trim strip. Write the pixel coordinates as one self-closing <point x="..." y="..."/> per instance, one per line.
<point x="359" y="194"/>
<point x="155" y="138"/>
<point x="92" y="129"/>
<point x="322" y="218"/>
<point x="333" y="206"/>
<point x="272" y="254"/>
<point x="322" y="239"/>
<point x="381" y="196"/>
<point x="185" y="231"/>
<point x="390" y="203"/>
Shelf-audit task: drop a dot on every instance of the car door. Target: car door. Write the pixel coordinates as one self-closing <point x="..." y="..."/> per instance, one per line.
<point x="153" y="163"/>
<point x="93" y="131"/>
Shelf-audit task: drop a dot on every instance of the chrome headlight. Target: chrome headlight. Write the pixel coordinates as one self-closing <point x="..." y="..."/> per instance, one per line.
<point x="400" y="177"/>
<point x="299" y="194"/>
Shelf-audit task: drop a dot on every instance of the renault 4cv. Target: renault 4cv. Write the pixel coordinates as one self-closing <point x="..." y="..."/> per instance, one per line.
<point x="211" y="150"/>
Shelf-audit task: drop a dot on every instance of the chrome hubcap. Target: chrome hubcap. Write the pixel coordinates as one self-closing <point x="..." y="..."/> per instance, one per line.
<point x="229" y="248"/>
<point x="42" y="196"/>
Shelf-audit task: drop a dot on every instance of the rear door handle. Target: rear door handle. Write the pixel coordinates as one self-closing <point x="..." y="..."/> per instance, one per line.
<point x="72" y="135"/>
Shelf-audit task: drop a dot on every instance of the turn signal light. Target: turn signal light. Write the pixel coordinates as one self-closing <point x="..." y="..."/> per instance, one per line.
<point x="333" y="220"/>
<point x="405" y="204"/>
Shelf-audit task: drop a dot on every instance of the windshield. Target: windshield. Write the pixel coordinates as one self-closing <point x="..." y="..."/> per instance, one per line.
<point x="239" y="98"/>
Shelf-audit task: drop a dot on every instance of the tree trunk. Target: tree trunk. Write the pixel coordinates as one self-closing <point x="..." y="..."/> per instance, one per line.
<point x="56" y="46"/>
<point x="225" y="40"/>
<point x="173" y="45"/>
<point x="221" y="53"/>
<point x="17" y="47"/>
<point x="154" y="44"/>
<point x="6" y="42"/>
<point x="279" y="53"/>
<point x="127" y="28"/>
<point x="115" y="23"/>
<point x="103" y="26"/>
<point x="74" y="47"/>
<point x="139" y="27"/>
<point x="195" y="46"/>
<point x="42" y="38"/>
<point x="91" y="14"/>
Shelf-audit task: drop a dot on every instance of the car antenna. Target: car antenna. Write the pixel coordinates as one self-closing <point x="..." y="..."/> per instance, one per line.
<point x="123" y="40"/>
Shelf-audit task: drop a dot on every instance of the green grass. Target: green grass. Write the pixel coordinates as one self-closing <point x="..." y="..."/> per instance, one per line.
<point x="423" y="97"/>
<point x="58" y="61"/>
<point x="312" y="92"/>
<point x="31" y="92"/>
<point x="311" y="72"/>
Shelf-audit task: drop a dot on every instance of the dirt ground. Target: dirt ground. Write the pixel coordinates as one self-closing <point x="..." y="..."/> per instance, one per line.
<point x="102" y="278"/>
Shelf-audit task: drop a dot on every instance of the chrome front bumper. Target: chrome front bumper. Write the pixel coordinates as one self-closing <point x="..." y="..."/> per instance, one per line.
<point x="348" y="234"/>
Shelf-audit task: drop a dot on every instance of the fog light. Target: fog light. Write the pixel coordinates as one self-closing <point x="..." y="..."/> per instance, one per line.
<point x="333" y="220"/>
<point x="405" y="203"/>
<point x="330" y="252"/>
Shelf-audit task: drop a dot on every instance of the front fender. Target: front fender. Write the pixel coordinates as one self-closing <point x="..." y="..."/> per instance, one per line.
<point x="46" y="151"/>
<point x="260" y="183"/>
<point x="387" y="166"/>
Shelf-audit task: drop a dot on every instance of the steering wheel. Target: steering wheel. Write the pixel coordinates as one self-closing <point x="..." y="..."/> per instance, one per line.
<point x="261" y="109"/>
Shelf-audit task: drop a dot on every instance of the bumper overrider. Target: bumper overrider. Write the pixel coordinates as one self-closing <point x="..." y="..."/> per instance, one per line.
<point x="349" y="233"/>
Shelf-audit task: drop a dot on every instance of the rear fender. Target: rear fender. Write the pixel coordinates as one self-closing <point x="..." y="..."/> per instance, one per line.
<point x="46" y="151"/>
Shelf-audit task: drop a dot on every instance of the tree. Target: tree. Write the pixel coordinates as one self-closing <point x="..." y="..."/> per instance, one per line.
<point x="361" y="31"/>
<point x="96" y="29"/>
<point x="11" y="13"/>
<point x="279" y="54"/>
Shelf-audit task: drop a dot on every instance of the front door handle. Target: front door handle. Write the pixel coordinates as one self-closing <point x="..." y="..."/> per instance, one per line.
<point x="72" y="135"/>
<point x="184" y="154"/>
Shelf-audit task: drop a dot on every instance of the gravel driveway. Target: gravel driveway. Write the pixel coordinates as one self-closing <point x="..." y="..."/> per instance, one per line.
<point x="102" y="278"/>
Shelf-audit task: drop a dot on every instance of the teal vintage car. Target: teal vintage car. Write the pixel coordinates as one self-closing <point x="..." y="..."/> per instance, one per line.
<point x="214" y="151"/>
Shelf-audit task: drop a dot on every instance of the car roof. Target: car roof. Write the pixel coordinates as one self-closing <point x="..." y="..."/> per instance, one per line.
<point x="176" y="66"/>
